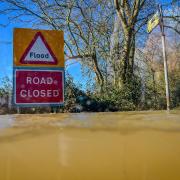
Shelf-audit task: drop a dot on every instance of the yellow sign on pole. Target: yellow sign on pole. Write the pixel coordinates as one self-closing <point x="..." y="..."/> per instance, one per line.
<point x="38" y="48"/>
<point x="153" y="22"/>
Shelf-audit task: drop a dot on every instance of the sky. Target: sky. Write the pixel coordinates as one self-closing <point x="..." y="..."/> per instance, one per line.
<point x="5" y="48"/>
<point x="6" y="51"/>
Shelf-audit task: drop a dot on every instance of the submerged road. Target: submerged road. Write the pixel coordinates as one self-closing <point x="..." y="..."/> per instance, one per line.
<point x="90" y="146"/>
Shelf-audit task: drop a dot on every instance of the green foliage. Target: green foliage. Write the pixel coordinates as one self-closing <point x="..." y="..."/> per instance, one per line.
<point x="111" y="99"/>
<point x="125" y="98"/>
<point x="72" y="92"/>
<point x="175" y="88"/>
<point x="155" y="94"/>
<point x="6" y="86"/>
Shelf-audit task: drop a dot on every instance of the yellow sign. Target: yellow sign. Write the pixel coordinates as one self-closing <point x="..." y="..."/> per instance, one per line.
<point x="38" y="48"/>
<point x="153" y="22"/>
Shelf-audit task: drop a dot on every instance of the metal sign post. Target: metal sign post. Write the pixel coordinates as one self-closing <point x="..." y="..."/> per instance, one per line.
<point x="165" y="58"/>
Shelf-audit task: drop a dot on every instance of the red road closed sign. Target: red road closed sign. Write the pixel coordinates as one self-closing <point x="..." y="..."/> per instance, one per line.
<point x="38" y="87"/>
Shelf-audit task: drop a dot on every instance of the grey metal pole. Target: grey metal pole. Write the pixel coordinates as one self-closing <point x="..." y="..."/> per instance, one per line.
<point x="166" y="73"/>
<point x="9" y="101"/>
<point x="165" y="58"/>
<point x="18" y="110"/>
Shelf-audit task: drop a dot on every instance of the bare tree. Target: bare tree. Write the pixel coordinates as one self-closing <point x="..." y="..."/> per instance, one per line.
<point x="87" y="26"/>
<point x="171" y="13"/>
<point x="133" y="16"/>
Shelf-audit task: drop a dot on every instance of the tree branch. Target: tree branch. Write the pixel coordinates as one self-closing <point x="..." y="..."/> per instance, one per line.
<point x="176" y="30"/>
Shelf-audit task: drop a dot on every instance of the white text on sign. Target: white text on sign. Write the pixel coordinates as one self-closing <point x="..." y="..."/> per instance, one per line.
<point x="39" y="86"/>
<point x="38" y="81"/>
<point x="39" y="93"/>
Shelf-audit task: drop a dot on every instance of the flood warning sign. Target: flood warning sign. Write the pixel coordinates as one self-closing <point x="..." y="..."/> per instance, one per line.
<point x="38" y="48"/>
<point x="38" y="52"/>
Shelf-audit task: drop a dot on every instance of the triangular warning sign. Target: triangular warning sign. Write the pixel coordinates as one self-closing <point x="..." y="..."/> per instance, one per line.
<point x="38" y="52"/>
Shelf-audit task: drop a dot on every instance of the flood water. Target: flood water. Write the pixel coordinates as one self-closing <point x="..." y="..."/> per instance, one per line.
<point x="90" y="146"/>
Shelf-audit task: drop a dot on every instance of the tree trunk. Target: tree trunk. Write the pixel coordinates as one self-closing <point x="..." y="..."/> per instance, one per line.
<point x="127" y="60"/>
<point x="97" y="71"/>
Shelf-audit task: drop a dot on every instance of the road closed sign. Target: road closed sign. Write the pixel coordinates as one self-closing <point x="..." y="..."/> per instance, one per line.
<point x="38" y="48"/>
<point x="36" y="87"/>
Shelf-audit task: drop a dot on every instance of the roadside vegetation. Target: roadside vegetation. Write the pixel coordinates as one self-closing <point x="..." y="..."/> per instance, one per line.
<point x="123" y="64"/>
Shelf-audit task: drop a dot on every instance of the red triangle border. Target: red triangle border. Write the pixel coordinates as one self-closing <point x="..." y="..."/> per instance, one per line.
<point x="38" y="34"/>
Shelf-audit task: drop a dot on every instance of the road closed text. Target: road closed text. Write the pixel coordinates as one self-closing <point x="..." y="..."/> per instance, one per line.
<point x="38" y="86"/>
<point x="39" y="93"/>
<point x="39" y="80"/>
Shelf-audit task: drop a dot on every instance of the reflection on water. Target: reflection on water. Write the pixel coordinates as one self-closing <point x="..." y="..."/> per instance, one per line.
<point x="97" y="146"/>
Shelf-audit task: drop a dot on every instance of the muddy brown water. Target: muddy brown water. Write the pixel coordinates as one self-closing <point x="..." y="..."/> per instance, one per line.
<point x="90" y="146"/>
